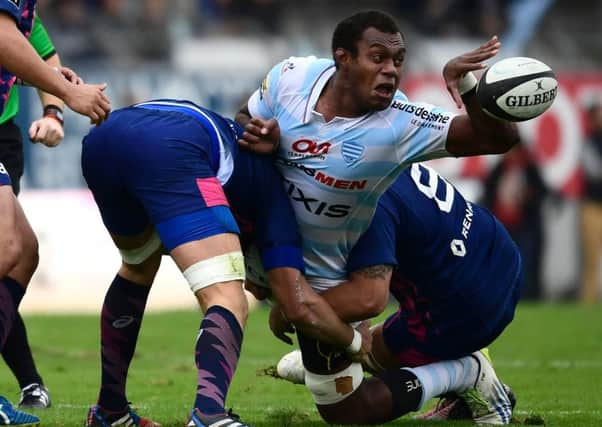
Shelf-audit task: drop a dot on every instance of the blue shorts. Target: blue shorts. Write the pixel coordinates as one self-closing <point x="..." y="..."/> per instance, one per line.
<point x="4" y="176"/>
<point x="423" y="331"/>
<point x="146" y="166"/>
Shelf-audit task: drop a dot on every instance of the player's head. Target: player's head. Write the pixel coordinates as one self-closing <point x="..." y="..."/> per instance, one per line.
<point x="369" y="50"/>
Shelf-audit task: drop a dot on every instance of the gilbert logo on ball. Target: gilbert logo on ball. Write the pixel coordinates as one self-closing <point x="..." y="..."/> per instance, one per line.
<point x="517" y="89"/>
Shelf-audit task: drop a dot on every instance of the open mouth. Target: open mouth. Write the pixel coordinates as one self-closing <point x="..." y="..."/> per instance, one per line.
<point x="385" y="90"/>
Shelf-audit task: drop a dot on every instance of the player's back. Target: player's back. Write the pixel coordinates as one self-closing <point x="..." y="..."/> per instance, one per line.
<point x="447" y="246"/>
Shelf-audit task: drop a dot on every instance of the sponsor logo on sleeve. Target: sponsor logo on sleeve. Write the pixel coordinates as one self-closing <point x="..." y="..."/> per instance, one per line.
<point x="288" y="65"/>
<point x="264" y="86"/>
<point x="423" y="117"/>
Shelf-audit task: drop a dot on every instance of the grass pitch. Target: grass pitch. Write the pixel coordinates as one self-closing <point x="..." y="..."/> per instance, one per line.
<point x="550" y="355"/>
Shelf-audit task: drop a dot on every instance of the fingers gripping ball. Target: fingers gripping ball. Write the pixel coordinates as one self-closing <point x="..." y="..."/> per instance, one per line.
<point x="517" y="89"/>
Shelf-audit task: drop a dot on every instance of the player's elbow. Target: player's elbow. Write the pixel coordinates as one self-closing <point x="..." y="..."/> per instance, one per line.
<point x="374" y="305"/>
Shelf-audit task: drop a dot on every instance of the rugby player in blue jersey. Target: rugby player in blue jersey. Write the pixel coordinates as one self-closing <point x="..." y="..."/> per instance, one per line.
<point x="164" y="175"/>
<point x="457" y="280"/>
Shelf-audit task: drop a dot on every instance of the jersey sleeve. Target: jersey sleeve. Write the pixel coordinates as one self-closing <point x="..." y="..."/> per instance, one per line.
<point x="40" y="40"/>
<point x="10" y="8"/>
<point x="258" y="199"/>
<point x="377" y="245"/>
<point x="284" y="79"/>
<point x="262" y="102"/>
<point x="422" y="130"/>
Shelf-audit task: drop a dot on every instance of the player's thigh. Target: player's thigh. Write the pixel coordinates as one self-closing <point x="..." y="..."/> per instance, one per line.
<point x="10" y="240"/>
<point x="28" y="259"/>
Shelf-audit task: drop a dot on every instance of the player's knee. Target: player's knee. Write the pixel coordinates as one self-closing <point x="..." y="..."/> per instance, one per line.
<point x="334" y="388"/>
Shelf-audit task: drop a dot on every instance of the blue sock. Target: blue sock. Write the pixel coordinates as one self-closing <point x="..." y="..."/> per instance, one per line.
<point x="120" y="323"/>
<point x="11" y="294"/>
<point x="216" y="355"/>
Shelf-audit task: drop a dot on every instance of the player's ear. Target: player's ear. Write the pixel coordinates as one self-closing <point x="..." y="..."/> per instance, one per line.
<point x="341" y="56"/>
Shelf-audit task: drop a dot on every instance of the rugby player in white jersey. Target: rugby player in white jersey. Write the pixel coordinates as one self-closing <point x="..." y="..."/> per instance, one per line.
<point x="342" y="132"/>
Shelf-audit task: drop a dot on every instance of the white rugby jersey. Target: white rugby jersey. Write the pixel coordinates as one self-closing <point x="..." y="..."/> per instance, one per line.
<point x="335" y="171"/>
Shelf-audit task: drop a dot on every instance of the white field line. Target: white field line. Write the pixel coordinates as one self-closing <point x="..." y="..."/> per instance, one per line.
<point x="529" y="364"/>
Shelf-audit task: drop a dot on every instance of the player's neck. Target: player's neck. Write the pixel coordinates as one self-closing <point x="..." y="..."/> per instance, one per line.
<point x="336" y="100"/>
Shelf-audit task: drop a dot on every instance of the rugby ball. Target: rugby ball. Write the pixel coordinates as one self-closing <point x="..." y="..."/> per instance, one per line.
<point x="517" y="89"/>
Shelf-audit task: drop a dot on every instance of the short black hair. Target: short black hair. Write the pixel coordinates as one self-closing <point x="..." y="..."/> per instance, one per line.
<point x="349" y="31"/>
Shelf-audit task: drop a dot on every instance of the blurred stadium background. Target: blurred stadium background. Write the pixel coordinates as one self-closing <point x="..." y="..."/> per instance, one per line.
<point x="215" y="52"/>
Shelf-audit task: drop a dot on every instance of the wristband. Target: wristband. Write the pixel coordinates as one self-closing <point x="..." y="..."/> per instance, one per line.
<point x="356" y="344"/>
<point x="467" y="83"/>
<point x="55" y="112"/>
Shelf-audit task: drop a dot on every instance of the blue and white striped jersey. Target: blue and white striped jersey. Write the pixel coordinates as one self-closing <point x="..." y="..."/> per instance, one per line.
<point x="335" y="171"/>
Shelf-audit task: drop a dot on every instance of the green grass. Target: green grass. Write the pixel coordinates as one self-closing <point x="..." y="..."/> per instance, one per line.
<point x="550" y="355"/>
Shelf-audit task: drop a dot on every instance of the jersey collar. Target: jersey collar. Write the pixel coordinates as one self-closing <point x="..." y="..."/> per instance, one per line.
<point x="315" y="92"/>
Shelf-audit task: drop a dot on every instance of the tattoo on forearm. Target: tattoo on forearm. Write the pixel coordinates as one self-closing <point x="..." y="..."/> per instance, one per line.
<point x="376" y="271"/>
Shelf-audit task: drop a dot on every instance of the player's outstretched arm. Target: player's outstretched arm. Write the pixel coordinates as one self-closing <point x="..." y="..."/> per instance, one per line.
<point x="475" y="133"/>
<point x="18" y="56"/>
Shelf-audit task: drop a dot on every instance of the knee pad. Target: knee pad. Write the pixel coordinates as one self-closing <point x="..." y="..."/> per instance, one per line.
<point x="221" y="268"/>
<point x="333" y="388"/>
<point x="139" y="255"/>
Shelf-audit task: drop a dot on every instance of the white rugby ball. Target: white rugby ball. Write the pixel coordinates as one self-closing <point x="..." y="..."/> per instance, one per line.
<point x="517" y="89"/>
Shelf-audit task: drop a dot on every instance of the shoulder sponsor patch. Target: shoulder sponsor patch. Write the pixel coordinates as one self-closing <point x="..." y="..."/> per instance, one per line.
<point x="264" y="86"/>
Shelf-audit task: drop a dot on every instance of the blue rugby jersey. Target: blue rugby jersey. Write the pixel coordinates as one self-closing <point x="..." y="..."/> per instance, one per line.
<point x="22" y="11"/>
<point x="336" y="171"/>
<point x="451" y="249"/>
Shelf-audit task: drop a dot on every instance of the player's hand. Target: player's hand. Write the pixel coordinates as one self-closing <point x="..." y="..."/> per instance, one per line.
<point x="46" y="130"/>
<point x="89" y="100"/>
<point x="259" y="292"/>
<point x="456" y="68"/>
<point x="261" y="136"/>
<point x="280" y="325"/>
<point x="364" y="329"/>
<point x="70" y="75"/>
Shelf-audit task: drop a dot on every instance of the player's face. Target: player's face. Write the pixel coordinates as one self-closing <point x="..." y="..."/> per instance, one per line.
<point x="376" y="70"/>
